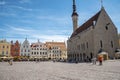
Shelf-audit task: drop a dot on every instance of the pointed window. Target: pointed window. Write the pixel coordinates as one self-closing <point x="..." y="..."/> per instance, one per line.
<point x="87" y="44"/>
<point x="101" y="44"/>
<point x="112" y="44"/>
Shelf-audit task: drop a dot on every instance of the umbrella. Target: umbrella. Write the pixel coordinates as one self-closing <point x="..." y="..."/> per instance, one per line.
<point x="4" y="57"/>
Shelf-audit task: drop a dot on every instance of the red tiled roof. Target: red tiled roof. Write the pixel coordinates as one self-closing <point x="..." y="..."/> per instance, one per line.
<point x="58" y="44"/>
<point x="86" y="25"/>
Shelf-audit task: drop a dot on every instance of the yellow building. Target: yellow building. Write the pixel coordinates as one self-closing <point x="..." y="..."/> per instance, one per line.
<point x="57" y="50"/>
<point x="4" y="48"/>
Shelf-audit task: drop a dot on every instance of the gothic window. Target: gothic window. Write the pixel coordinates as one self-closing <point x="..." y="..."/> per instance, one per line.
<point x="101" y="44"/>
<point x="112" y="44"/>
<point x="87" y="44"/>
<point x="84" y="46"/>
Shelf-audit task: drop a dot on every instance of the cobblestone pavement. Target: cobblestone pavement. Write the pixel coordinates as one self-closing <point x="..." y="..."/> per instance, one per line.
<point x="110" y="70"/>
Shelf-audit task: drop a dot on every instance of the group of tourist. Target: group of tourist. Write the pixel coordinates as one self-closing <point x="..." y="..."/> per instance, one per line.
<point x="100" y="59"/>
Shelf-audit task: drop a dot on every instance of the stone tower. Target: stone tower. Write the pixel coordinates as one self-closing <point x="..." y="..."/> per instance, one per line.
<point x="74" y="17"/>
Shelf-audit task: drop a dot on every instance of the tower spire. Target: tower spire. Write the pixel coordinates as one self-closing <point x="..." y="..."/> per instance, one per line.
<point x="74" y="9"/>
<point x="74" y="6"/>
<point x="74" y="17"/>
<point x="101" y="3"/>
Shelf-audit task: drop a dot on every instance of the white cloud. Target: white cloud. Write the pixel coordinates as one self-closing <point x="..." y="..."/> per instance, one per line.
<point x="60" y="19"/>
<point x="21" y="8"/>
<point x="7" y="14"/>
<point x="25" y="1"/>
<point x="47" y="35"/>
<point x="45" y="38"/>
<point x="18" y="29"/>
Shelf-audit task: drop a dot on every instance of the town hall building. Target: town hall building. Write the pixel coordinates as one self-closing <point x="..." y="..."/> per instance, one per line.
<point x="96" y="35"/>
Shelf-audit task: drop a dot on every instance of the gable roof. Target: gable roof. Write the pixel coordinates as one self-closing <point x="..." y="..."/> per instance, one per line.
<point x="86" y="25"/>
<point x="61" y="45"/>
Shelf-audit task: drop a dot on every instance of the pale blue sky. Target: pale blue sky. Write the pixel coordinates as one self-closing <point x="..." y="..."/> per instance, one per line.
<point x="48" y="20"/>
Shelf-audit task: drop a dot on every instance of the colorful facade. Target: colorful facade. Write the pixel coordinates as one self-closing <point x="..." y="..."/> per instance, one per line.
<point x="57" y="50"/>
<point x="5" y="48"/>
<point x="39" y="50"/>
<point x="25" y="48"/>
<point x="15" y="49"/>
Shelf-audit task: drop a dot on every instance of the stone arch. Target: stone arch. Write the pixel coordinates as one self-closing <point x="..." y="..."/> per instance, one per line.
<point x="91" y="55"/>
<point x="84" y="57"/>
<point x="80" y="56"/>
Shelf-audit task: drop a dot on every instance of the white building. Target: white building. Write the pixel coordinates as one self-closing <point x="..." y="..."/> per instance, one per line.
<point x="25" y="48"/>
<point x="39" y="50"/>
<point x="97" y="34"/>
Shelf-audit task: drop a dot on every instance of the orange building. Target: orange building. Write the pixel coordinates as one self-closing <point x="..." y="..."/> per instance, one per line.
<point x="15" y="49"/>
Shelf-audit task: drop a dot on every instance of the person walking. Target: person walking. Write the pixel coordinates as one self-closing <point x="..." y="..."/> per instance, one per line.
<point x="100" y="59"/>
<point x="94" y="60"/>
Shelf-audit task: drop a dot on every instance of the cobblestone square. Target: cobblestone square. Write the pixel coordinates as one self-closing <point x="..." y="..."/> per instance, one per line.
<point x="110" y="70"/>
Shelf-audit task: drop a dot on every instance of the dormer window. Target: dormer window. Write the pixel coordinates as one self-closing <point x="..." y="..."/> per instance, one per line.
<point x="94" y="23"/>
<point x="106" y="27"/>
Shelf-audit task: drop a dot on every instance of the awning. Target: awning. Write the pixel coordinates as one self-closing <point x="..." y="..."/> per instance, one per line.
<point x="3" y="57"/>
<point x="103" y="53"/>
<point x="117" y="53"/>
<point x="6" y="57"/>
